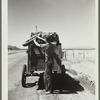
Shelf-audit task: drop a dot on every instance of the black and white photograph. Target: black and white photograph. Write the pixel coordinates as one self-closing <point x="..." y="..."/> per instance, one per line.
<point x="52" y="51"/>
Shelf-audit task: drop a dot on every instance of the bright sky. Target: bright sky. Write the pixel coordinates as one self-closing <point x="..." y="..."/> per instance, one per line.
<point x="73" y="20"/>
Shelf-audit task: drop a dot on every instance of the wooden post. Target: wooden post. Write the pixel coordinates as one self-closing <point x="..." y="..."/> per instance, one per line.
<point x="83" y="54"/>
<point x="73" y="53"/>
<point x="67" y="52"/>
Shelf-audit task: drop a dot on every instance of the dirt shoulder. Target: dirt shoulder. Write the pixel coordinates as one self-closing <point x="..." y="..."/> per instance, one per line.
<point x="15" y="51"/>
<point x="84" y="72"/>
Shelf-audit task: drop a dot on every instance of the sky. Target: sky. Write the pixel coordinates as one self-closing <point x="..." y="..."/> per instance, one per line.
<point x="73" y="20"/>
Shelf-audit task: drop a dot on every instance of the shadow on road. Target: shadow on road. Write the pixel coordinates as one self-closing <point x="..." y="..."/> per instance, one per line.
<point x="64" y="83"/>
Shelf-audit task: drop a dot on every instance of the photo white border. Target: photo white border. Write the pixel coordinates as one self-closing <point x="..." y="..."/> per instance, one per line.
<point x="97" y="52"/>
<point x="4" y="48"/>
<point x="4" y="21"/>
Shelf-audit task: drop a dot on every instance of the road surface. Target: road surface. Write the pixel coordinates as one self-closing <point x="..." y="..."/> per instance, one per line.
<point x="17" y="92"/>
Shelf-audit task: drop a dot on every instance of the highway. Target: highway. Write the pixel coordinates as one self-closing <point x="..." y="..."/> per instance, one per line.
<point x="17" y="92"/>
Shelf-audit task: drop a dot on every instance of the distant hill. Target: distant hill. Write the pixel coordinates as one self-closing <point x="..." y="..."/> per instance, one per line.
<point x="10" y="47"/>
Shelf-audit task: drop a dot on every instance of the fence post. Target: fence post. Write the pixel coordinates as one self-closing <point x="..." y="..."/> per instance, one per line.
<point x="83" y="54"/>
<point x="67" y="52"/>
<point x="73" y="53"/>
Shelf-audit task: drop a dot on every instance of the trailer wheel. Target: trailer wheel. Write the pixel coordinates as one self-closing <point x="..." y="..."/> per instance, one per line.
<point x="24" y="76"/>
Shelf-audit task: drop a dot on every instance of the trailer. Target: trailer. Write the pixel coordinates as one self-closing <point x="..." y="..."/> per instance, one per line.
<point x="36" y="57"/>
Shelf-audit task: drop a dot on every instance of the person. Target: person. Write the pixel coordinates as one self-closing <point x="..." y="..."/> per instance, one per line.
<point x="51" y="42"/>
<point x="50" y="55"/>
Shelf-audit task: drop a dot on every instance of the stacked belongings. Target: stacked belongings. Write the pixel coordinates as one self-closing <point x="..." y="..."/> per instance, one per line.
<point x="41" y="39"/>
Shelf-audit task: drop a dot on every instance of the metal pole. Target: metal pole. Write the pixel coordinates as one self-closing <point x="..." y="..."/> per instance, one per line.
<point x="36" y="29"/>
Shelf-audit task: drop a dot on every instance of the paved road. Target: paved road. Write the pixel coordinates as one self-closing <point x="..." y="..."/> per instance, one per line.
<point x="17" y="92"/>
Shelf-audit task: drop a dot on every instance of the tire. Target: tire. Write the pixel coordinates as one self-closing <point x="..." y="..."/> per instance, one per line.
<point x="24" y="76"/>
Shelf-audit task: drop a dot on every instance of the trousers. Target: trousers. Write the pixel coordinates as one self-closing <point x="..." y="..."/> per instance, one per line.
<point x="48" y="79"/>
<point x="50" y="55"/>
